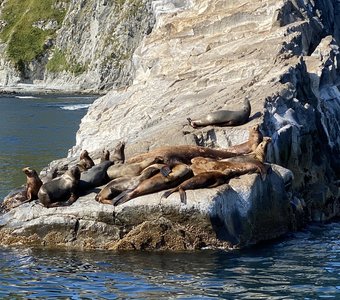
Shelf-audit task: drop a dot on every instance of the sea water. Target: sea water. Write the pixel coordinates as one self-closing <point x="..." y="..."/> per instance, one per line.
<point x="35" y="130"/>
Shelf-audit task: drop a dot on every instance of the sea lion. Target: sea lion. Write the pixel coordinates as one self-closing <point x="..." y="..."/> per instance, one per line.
<point x="29" y="193"/>
<point x="253" y="162"/>
<point x="224" y="117"/>
<point x="61" y="191"/>
<point x="33" y="183"/>
<point x="121" y="184"/>
<point x="85" y="161"/>
<point x="203" y="180"/>
<point x="105" y="155"/>
<point x="259" y="153"/>
<point x="182" y="154"/>
<point x="118" y="155"/>
<point x="254" y="139"/>
<point x="94" y="177"/>
<point x="131" y="169"/>
<point x="156" y="183"/>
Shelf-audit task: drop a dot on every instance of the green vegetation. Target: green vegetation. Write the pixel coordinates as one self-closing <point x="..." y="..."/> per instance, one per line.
<point x="26" y="41"/>
<point x="59" y="63"/>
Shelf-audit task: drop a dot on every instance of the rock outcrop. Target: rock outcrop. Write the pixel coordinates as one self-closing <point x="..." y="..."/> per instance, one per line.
<point x="206" y="55"/>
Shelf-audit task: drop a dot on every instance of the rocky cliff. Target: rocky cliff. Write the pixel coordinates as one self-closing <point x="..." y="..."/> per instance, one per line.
<point x="74" y="46"/>
<point x="200" y="57"/>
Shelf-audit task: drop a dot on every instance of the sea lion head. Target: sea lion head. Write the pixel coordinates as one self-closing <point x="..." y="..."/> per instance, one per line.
<point x="261" y="149"/>
<point x="29" y="172"/>
<point x="84" y="154"/>
<point x="75" y="172"/>
<point x="254" y="128"/>
<point x="105" y="155"/>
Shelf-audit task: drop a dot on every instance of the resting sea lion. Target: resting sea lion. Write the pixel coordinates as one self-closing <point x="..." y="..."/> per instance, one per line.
<point x="259" y="153"/>
<point x="60" y="191"/>
<point x="156" y="183"/>
<point x="254" y="139"/>
<point x="203" y="180"/>
<point x="243" y="164"/>
<point x="182" y="154"/>
<point x="105" y="155"/>
<point x="96" y="176"/>
<point x="118" y="155"/>
<point x="121" y="184"/>
<point x="224" y="117"/>
<point x="85" y="162"/>
<point x="131" y="169"/>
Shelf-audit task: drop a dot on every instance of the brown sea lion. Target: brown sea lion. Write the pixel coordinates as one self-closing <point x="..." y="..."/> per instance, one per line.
<point x="182" y="154"/>
<point x="118" y="155"/>
<point x="121" y="184"/>
<point x="60" y="191"/>
<point x="259" y="153"/>
<point x="254" y="139"/>
<point x="105" y="155"/>
<point x="33" y="183"/>
<point x="203" y="180"/>
<point x="156" y="183"/>
<point x="202" y="165"/>
<point x="131" y="169"/>
<point x="85" y="161"/>
<point x="253" y="162"/>
<point x="29" y="193"/>
<point x="224" y="117"/>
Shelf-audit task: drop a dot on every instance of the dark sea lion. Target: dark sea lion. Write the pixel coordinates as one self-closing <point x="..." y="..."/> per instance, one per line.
<point x="105" y="155"/>
<point x="131" y="169"/>
<point x="156" y="183"/>
<point x="182" y="154"/>
<point x="61" y="191"/>
<point x="121" y="184"/>
<point x="94" y="177"/>
<point x="254" y="139"/>
<point x="203" y="180"/>
<point x="224" y="117"/>
<point x="118" y="155"/>
<point x="85" y="161"/>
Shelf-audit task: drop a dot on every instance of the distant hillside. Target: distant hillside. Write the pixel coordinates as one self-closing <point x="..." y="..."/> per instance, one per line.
<point x="71" y="45"/>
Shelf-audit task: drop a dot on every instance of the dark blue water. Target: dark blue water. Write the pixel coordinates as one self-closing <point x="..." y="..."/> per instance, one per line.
<point x="304" y="266"/>
<point x="34" y="131"/>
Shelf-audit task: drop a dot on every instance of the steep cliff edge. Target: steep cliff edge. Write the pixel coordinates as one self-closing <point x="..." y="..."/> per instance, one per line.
<point x="210" y="54"/>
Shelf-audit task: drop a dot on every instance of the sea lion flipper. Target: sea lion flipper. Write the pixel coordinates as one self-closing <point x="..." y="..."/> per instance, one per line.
<point x="168" y="193"/>
<point x="183" y="195"/>
<point x="165" y="171"/>
<point x="121" y="198"/>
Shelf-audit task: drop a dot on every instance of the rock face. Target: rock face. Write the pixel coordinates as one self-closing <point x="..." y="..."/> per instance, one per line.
<point x="91" y="50"/>
<point x="200" y="57"/>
